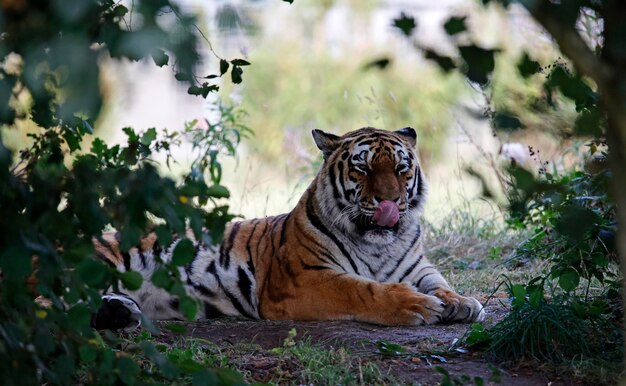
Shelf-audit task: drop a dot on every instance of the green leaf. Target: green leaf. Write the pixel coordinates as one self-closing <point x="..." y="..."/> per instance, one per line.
<point x="207" y="88"/>
<point x="523" y="179"/>
<point x="223" y="66"/>
<point x="131" y="280"/>
<point x="188" y="365"/>
<point x="182" y="77"/>
<point x="477" y="336"/>
<point x="600" y="259"/>
<point x="445" y="63"/>
<point x="239" y="62"/>
<point x="535" y="297"/>
<point x="480" y="63"/>
<point x="455" y="25"/>
<point x="576" y="221"/>
<point x="88" y="353"/>
<point x="386" y="347"/>
<point x="527" y="66"/>
<point x="235" y="74"/>
<point x="194" y="90"/>
<point x="130" y="237"/>
<point x="161" y="278"/>
<point x="405" y="23"/>
<point x="166" y="367"/>
<point x="496" y="374"/>
<point x="130" y="133"/>
<point x="205" y="377"/>
<point x="79" y="317"/>
<point x="579" y="308"/>
<point x="572" y="86"/>
<point x="203" y="89"/>
<point x="519" y="294"/>
<point x="569" y="279"/>
<point x="598" y="307"/>
<point x="164" y="234"/>
<point x="63" y="367"/>
<point x="188" y="307"/>
<point x="149" y="136"/>
<point x="218" y="191"/>
<point x="591" y="121"/>
<point x="72" y="139"/>
<point x="183" y="253"/>
<point x="446" y="380"/>
<point x="127" y="370"/>
<point x="503" y="120"/>
<point x="178" y="328"/>
<point x="120" y="11"/>
<point x="495" y="253"/>
<point x="15" y="263"/>
<point x="216" y="221"/>
<point x="93" y="272"/>
<point x="160" y="58"/>
<point x="380" y="64"/>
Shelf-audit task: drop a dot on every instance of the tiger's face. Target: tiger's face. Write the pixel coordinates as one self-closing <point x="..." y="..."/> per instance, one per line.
<point x="373" y="181"/>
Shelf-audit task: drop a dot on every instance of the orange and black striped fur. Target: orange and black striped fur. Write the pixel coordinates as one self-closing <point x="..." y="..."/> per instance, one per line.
<point x="325" y="260"/>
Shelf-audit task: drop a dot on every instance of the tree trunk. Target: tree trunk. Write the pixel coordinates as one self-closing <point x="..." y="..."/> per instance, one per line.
<point x="614" y="97"/>
<point x="616" y="136"/>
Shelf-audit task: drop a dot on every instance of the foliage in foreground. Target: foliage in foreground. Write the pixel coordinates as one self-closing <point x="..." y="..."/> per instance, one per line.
<point x="571" y="313"/>
<point x="52" y="212"/>
<point x="55" y="198"/>
<point x="573" y="309"/>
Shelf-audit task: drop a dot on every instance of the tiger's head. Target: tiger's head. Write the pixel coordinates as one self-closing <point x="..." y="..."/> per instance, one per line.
<point x="371" y="184"/>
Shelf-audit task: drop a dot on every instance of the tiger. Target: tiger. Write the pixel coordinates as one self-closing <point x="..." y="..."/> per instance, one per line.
<point x="351" y="249"/>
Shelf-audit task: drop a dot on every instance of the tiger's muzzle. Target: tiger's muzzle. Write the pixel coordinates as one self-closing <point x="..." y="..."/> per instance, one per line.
<point x="385" y="217"/>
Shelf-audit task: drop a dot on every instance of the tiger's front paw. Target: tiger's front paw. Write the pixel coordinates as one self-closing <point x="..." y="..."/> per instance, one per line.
<point x="409" y="307"/>
<point x="460" y="308"/>
<point x="117" y="312"/>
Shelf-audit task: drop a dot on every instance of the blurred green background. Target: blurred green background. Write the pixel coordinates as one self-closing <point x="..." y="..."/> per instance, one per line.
<point x="313" y="67"/>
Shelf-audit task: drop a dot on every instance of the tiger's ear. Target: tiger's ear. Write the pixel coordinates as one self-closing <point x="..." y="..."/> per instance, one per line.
<point x="409" y="134"/>
<point x="326" y="142"/>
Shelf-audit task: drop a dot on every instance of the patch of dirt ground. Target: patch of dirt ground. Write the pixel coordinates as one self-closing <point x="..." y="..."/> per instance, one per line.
<point x="248" y="345"/>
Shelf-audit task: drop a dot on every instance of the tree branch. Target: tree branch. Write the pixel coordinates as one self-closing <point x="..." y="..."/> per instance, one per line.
<point x="570" y="42"/>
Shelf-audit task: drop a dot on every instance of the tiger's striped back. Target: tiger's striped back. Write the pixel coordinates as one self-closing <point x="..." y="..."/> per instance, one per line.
<point x="350" y="249"/>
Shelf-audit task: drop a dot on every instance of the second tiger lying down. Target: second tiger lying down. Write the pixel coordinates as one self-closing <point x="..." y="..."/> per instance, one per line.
<point x="350" y="249"/>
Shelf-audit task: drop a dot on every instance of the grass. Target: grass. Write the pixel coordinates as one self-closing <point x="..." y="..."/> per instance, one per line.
<point x="475" y="252"/>
<point x="548" y="332"/>
<point x="189" y="360"/>
<point x="295" y="362"/>
<point x="320" y="366"/>
<point x="552" y="336"/>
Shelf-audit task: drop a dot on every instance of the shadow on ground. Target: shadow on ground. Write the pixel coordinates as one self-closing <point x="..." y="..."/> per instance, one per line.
<point x="427" y="347"/>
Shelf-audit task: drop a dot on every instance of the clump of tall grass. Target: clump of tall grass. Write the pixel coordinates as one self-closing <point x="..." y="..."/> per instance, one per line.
<point x="549" y="331"/>
<point x="553" y="333"/>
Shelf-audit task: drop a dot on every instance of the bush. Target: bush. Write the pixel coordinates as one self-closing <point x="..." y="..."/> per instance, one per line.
<point x="573" y="310"/>
<point x="551" y="331"/>
<point x="55" y="198"/>
<point x="572" y="220"/>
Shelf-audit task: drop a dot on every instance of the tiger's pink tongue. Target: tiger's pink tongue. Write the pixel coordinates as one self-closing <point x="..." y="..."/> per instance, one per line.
<point x="386" y="214"/>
